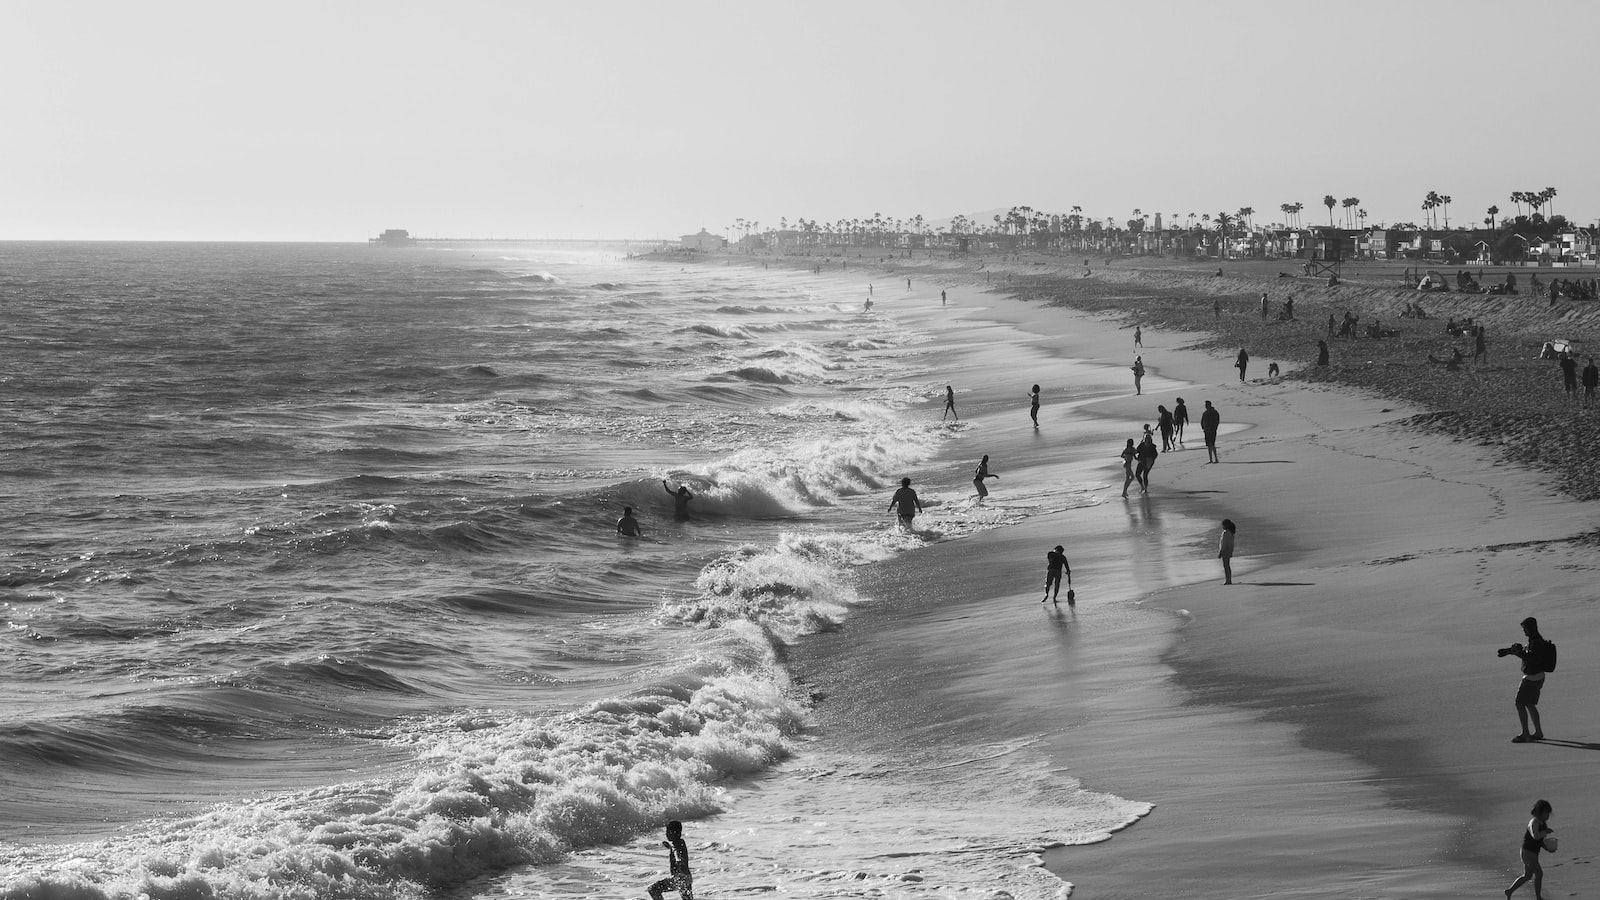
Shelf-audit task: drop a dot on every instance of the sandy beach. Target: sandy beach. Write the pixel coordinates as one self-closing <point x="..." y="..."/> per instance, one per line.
<point x="1336" y="723"/>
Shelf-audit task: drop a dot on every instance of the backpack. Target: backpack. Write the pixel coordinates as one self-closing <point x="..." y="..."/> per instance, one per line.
<point x="1547" y="656"/>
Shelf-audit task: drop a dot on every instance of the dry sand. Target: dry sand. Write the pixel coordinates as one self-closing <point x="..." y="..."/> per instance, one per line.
<point x="1336" y="724"/>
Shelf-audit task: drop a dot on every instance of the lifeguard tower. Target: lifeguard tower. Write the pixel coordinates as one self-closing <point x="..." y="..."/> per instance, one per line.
<point x="1327" y="252"/>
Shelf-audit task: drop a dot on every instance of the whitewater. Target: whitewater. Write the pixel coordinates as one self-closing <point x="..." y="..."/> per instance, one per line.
<point x="312" y="587"/>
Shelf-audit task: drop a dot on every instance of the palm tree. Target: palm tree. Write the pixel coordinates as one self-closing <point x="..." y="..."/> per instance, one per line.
<point x="1549" y="194"/>
<point x="1245" y="212"/>
<point x="1361" y="216"/>
<point x="1444" y="200"/>
<point x="1349" y="204"/>
<point x="1492" y="211"/>
<point x="1224" y="221"/>
<point x="1329" y="202"/>
<point x="1296" y="209"/>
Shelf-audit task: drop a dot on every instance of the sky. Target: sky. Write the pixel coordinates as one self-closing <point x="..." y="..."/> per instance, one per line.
<point x="332" y="121"/>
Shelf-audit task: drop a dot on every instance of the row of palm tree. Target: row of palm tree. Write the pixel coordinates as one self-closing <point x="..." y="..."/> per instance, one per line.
<point x="1025" y="220"/>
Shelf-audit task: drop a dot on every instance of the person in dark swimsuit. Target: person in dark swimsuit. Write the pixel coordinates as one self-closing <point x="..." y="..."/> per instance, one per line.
<point x="1533" y="840"/>
<point x="1033" y="405"/>
<point x="1180" y="418"/>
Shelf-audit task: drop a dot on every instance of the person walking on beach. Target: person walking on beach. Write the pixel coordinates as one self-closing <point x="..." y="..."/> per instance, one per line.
<point x="906" y="503"/>
<point x="949" y="403"/>
<point x="1240" y="361"/>
<point x="943" y="298"/>
<point x="1216" y="308"/>
<point x="1330" y="324"/>
<point x="979" y="474"/>
<point x="1147" y="461"/>
<point x="1033" y="405"/>
<point x="628" y="526"/>
<point x="1225" y="550"/>
<point x="1055" y="564"/>
<point x="1138" y="374"/>
<point x="1263" y="306"/>
<point x="908" y="284"/>
<point x="1180" y="418"/>
<point x="1138" y="336"/>
<point x="1538" y="836"/>
<point x="1130" y="455"/>
<point x="1591" y="380"/>
<point x="1538" y="657"/>
<point x="680" y="501"/>
<point x="1164" y="425"/>
<point x="1210" y="419"/>
<point x="1480" y="350"/>
<point x="680" y="879"/>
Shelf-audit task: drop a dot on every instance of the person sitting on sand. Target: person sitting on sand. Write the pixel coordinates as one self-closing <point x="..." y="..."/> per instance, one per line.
<point x="1055" y="564"/>
<point x="1537" y="837"/>
<point x="1272" y="369"/>
<point x="680" y="500"/>
<point x="628" y="526"/>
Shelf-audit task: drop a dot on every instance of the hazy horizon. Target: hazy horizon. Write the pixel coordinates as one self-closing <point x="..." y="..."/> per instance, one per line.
<point x="302" y="122"/>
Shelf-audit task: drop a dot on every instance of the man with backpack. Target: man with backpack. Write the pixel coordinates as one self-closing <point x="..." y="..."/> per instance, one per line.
<point x="1538" y="658"/>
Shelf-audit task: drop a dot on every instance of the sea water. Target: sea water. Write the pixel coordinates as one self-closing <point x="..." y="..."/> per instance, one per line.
<point x="312" y="588"/>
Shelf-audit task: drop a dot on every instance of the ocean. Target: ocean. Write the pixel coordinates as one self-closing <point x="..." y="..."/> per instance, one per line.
<point x="312" y="586"/>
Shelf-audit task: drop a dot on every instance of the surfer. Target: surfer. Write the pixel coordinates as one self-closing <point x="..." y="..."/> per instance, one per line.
<point x="628" y="526"/>
<point x="1057" y="562"/>
<point x="680" y="500"/>
<point x="680" y="879"/>
<point x="907" y="503"/>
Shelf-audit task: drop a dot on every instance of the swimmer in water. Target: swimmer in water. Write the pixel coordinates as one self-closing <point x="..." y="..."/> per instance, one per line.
<point x="628" y="526"/>
<point x="680" y="500"/>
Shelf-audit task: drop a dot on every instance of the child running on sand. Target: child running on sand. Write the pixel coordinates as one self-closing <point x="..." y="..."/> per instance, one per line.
<point x="1538" y="836"/>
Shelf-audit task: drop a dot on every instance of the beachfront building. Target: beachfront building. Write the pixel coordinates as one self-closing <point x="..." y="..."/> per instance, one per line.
<point x="704" y="241"/>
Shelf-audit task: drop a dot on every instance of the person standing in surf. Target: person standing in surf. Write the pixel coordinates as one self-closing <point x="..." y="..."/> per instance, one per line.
<point x="1225" y="550"/>
<point x="680" y="879"/>
<point x="949" y="403"/>
<point x="1130" y="455"/>
<point x="979" y="474"/>
<point x="906" y="503"/>
<point x="680" y="501"/>
<point x="628" y="526"/>
<point x="1055" y="564"/>
<point x="1033" y="405"/>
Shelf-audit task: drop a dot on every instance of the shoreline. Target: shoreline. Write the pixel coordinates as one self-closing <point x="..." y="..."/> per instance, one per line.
<point x="1335" y="690"/>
